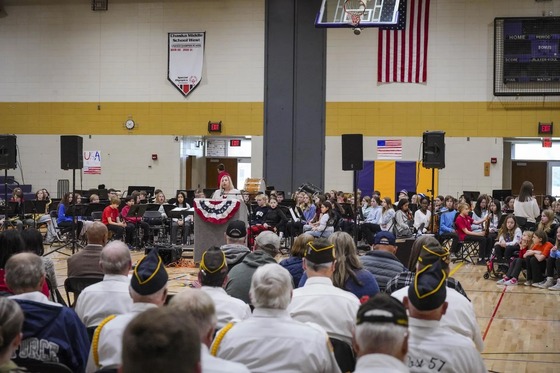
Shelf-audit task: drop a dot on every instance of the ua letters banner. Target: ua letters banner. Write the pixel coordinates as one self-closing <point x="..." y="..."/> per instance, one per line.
<point x="185" y="60"/>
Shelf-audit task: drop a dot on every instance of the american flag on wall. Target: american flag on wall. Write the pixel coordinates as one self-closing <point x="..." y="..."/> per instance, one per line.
<point x="389" y="149"/>
<point x="403" y="48"/>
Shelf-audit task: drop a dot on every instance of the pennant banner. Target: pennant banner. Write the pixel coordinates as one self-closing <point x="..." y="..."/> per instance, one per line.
<point x="389" y="177"/>
<point x="216" y="212"/>
<point x="185" y="60"/>
<point x="403" y="49"/>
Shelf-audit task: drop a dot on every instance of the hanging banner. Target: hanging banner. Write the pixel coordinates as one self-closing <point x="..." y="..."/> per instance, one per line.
<point x="185" y="60"/>
<point x="92" y="162"/>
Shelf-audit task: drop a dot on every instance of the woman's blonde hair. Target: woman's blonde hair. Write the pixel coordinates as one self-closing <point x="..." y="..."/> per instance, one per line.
<point x="347" y="260"/>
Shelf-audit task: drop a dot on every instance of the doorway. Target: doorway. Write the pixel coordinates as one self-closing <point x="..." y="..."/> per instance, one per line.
<point x="212" y="171"/>
<point x="533" y="171"/>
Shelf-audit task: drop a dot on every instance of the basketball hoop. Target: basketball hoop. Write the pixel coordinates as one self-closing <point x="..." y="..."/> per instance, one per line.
<point x="355" y="9"/>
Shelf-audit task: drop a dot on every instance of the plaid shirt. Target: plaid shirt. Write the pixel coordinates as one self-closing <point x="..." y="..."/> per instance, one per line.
<point x="406" y="278"/>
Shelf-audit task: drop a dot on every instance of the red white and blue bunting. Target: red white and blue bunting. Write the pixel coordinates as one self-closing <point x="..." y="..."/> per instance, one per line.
<point x="214" y="211"/>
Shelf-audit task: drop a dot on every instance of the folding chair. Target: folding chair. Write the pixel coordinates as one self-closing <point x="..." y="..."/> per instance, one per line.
<point x="62" y="236"/>
<point x="75" y="285"/>
<point x="344" y="355"/>
<point x="468" y="252"/>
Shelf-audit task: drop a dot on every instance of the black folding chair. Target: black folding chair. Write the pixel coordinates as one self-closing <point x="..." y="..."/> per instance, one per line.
<point x="75" y="285"/>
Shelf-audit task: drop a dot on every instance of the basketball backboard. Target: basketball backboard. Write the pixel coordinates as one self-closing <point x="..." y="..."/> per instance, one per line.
<point x="372" y="13"/>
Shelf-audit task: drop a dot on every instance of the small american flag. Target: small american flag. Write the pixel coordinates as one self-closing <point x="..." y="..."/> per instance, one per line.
<point x="403" y="48"/>
<point x="92" y="171"/>
<point x="389" y="149"/>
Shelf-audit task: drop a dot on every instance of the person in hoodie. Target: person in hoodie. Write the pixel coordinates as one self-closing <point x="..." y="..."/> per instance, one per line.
<point x="235" y="248"/>
<point x="58" y="331"/>
<point x="267" y="246"/>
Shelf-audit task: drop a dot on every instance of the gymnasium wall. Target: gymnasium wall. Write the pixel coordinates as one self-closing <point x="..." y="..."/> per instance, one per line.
<point x="68" y="70"/>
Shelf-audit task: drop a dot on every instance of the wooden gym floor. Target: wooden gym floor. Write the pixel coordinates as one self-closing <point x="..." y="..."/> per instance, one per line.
<point x="520" y="325"/>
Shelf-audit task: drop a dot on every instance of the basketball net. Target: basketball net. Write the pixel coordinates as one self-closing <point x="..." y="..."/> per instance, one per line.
<point x="355" y="9"/>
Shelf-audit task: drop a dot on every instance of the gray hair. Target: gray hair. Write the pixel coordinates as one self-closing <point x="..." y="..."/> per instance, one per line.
<point x="154" y="298"/>
<point x="11" y="321"/>
<point x="232" y="240"/>
<point x="318" y="267"/>
<point x="115" y="258"/>
<point x="24" y="272"/>
<point x="199" y="306"/>
<point x="271" y="287"/>
<point x="384" y="338"/>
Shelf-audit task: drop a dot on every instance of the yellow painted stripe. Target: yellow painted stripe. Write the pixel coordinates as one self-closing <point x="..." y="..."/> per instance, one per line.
<point x="384" y="175"/>
<point x="456" y="269"/>
<point x="425" y="180"/>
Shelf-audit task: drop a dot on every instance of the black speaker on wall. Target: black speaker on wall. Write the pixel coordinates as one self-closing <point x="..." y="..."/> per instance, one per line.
<point x="8" y="152"/>
<point x="433" y="149"/>
<point x="71" y="152"/>
<point x="352" y="152"/>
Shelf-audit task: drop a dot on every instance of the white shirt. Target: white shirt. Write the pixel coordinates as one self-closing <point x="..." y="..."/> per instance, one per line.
<point x="320" y="302"/>
<point x="228" y="308"/>
<point x="271" y="341"/>
<point x="35" y="296"/>
<point x="110" y="339"/>
<point x="212" y="364"/>
<point x="528" y="209"/>
<point x="105" y="298"/>
<point x="459" y="317"/>
<point x="380" y="363"/>
<point x="432" y="348"/>
<point x="420" y="217"/>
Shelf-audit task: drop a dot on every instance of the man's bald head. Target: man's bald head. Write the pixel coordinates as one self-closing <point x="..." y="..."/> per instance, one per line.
<point x="97" y="234"/>
<point x="115" y="259"/>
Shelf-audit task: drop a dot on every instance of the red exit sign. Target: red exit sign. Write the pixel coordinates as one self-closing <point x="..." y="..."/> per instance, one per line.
<point x="545" y="128"/>
<point x="215" y="126"/>
<point x="235" y="142"/>
<point x="547" y="142"/>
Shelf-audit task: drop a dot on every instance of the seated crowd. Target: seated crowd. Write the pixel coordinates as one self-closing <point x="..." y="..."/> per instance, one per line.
<point x="325" y="307"/>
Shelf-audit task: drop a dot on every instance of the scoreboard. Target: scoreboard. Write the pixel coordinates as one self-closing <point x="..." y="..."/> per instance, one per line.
<point x="531" y="50"/>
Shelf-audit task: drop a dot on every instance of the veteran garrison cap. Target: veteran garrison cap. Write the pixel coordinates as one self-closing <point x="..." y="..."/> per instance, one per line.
<point x="320" y="251"/>
<point x="382" y="308"/>
<point x="428" y="291"/>
<point x="432" y="252"/>
<point x="149" y="274"/>
<point x="213" y="261"/>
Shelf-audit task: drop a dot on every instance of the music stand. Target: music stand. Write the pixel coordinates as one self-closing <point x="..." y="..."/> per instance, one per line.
<point x="148" y="189"/>
<point x="95" y="207"/>
<point x="209" y="191"/>
<point x="501" y="194"/>
<point x="8" y="211"/>
<point x="73" y="210"/>
<point x="471" y="195"/>
<point x="35" y="207"/>
<point x="137" y="211"/>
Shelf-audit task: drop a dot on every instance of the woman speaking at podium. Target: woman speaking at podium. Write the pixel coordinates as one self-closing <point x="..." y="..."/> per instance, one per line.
<point x="227" y="190"/>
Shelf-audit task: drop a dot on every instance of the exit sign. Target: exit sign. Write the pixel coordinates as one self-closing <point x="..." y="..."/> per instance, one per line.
<point x="545" y="128"/>
<point x="235" y="142"/>
<point x="215" y="126"/>
<point x="547" y="142"/>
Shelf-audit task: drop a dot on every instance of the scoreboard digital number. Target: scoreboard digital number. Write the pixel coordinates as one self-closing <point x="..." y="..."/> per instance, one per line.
<point x="531" y="50"/>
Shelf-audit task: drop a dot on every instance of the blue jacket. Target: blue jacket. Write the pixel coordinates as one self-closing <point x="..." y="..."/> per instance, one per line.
<point x="62" y="214"/>
<point x="446" y="222"/>
<point x="294" y="265"/>
<point x="369" y="282"/>
<point x="52" y="333"/>
<point x="383" y="265"/>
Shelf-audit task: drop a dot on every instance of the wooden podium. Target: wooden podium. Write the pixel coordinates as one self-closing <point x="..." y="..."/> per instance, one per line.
<point x="208" y="234"/>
